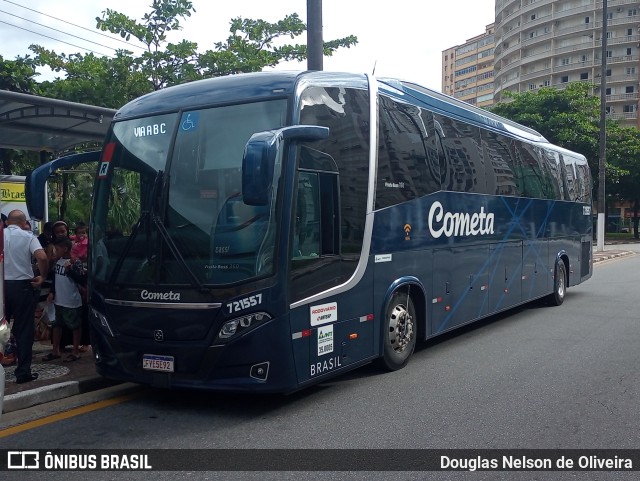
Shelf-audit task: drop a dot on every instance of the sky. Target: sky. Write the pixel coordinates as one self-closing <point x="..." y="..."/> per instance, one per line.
<point x="403" y="38"/>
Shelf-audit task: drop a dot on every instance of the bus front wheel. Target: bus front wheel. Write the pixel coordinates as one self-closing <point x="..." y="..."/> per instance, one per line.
<point x="559" y="284"/>
<point x="400" y="332"/>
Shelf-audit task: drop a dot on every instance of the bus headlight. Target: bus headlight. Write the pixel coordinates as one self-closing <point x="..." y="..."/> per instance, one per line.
<point x="242" y="324"/>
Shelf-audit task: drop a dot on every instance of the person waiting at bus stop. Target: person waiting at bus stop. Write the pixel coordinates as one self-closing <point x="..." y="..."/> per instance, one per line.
<point x="21" y="288"/>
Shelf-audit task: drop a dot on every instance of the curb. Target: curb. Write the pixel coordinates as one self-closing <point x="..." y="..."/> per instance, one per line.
<point x="53" y="392"/>
<point x="604" y="257"/>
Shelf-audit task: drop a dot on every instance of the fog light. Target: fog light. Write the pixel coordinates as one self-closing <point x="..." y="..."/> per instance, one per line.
<point x="260" y="371"/>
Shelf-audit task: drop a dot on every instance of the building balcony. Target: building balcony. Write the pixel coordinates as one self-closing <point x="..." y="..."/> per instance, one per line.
<point x="560" y="32"/>
<point x="622" y="97"/>
<point x="533" y="40"/>
<point x="535" y="57"/>
<point x="537" y="21"/>
<point x="538" y="73"/>
<point x="619" y="40"/>
<point x="616" y="3"/>
<point x="620" y="78"/>
<point x="572" y="11"/>
<point x="632" y="20"/>
<point x="574" y="48"/>
<point x="623" y="116"/>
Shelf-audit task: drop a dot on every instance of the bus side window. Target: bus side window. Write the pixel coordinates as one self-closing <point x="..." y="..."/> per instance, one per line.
<point x="306" y="231"/>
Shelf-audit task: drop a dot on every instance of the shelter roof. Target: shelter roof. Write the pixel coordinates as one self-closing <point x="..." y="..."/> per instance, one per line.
<point x="29" y="122"/>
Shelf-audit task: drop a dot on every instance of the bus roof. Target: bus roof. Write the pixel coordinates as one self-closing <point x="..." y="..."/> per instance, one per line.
<point x="451" y="106"/>
<point x="243" y="87"/>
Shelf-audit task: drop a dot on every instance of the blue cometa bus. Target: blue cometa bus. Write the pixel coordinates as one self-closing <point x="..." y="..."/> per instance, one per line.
<point x="285" y="227"/>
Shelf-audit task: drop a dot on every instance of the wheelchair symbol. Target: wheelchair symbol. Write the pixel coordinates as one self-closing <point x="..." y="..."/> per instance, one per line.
<point x="188" y="124"/>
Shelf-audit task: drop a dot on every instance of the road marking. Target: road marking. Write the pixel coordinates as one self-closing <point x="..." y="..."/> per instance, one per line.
<point x="67" y="414"/>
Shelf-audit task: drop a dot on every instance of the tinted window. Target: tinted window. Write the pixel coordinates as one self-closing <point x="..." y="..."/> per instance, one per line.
<point x="338" y="187"/>
<point x="499" y="160"/>
<point x="463" y="169"/>
<point x="532" y="176"/>
<point x="406" y="171"/>
<point x="554" y="168"/>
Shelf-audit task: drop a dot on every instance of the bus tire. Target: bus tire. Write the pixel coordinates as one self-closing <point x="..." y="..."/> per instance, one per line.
<point x="400" y="332"/>
<point x="559" y="284"/>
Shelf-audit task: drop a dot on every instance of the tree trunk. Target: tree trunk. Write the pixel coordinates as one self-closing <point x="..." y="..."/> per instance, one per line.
<point x="5" y="154"/>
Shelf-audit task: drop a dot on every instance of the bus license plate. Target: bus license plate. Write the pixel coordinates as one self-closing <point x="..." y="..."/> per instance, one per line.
<point x="153" y="362"/>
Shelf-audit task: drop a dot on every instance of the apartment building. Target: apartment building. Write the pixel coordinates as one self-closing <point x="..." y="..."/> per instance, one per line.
<point x="468" y="69"/>
<point x="551" y="43"/>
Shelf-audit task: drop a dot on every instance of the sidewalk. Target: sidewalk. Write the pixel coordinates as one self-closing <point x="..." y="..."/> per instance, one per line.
<point x="58" y="379"/>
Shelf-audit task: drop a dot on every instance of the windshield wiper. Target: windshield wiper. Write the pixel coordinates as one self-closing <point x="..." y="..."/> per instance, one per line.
<point x="147" y="218"/>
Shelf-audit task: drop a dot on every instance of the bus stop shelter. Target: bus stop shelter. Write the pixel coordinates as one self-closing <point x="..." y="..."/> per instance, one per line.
<point x="29" y="122"/>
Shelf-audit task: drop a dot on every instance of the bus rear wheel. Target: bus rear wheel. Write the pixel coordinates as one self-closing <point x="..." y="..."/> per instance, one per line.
<point x="559" y="284"/>
<point x="400" y="332"/>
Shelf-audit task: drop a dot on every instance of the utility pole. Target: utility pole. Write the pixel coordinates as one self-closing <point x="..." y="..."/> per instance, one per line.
<point x="315" y="44"/>
<point x="600" y="226"/>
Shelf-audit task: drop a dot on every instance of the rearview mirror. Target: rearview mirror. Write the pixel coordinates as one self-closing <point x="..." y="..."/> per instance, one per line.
<point x="260" y="154"/>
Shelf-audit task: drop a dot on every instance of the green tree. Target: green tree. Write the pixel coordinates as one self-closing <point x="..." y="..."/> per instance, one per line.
<point x="568" y="118"/>
<point x="102" y="81"/>
<point x="18" y="76"/>
<point x="623" y="172"/>
<point x="252" y="46"/>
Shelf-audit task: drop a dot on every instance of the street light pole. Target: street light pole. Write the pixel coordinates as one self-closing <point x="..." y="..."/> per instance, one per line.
<point x="315" y="47"/>
<point x="603" y="134"/>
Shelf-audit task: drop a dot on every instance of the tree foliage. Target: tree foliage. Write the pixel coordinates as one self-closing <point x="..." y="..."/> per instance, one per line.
<point x="568" y="118"/>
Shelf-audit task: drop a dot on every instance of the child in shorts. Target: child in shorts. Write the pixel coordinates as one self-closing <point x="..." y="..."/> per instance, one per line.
<point x="67" y="300"/>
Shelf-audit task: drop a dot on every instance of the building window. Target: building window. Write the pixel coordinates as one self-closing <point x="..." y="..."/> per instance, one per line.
<point x="610" y="15"/>
<point x="546" y="83"/>
<point x="608" y="110"/>
<point x="607" y="91"/>
<point x="587" y="20"/>
<point x="564" y="79"/>
<point x="631" y="70"/>
<point x="629" y="89"/>
<point x="629" y="108"/>
<point x="609" y="34"/>
<point x="532" y="86"/>
<point x="584" y="76"/>
<point x="609" y="54"/>
<point x="629" y="51"/>
<point x="608" y="72"/>
<point x="533" y="17"/>
<point x="629" y="32"/>
<point x="632" y="12"/>
<point x="566" y="61"/>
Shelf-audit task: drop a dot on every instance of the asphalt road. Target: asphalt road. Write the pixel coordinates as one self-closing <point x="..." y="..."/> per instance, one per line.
<point x="539" y="377"/>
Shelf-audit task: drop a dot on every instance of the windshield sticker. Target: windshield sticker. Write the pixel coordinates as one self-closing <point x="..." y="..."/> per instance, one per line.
<point x="189" y="121"/>
<point x="324" y="313"/>
<point x="325" y="340"/>
<point x="149" y="130"/>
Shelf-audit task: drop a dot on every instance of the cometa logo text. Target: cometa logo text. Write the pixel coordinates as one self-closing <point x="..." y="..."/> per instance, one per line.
<point x="454" y="224"/>
<point x="159" y="296"/>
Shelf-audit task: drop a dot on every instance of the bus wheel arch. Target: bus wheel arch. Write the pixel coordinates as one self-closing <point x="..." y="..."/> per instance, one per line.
<point x="560" y="280"/>
<point x="402" y="325"/>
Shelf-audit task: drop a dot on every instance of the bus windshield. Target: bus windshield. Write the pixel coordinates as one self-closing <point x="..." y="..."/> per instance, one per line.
<point x="171" y="211"/>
